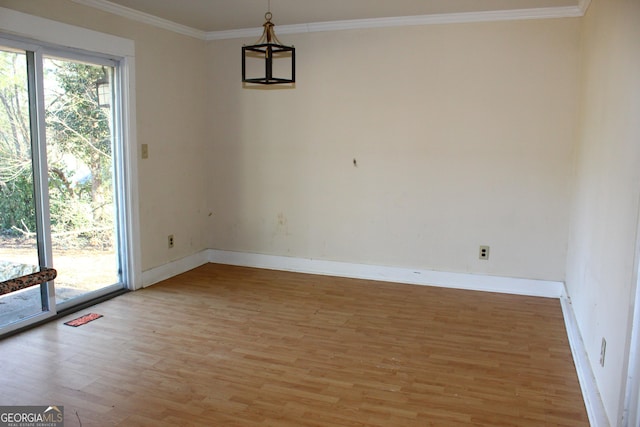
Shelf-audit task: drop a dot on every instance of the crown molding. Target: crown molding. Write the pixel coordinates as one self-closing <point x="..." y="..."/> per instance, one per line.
<point x="353" y="24"/>
<point x="584" y="6"/>
<point x="403" y="21"/>
<point x="145" y="18"/>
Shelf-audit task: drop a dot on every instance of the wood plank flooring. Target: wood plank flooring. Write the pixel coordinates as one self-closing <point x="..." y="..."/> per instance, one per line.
<point x="232" y="346"/>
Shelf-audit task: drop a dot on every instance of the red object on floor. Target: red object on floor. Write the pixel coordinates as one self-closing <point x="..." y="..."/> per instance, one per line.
<point x="83" y="319"/>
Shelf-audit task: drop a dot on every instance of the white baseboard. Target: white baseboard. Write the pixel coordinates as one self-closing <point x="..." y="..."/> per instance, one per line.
<point x="590" y="393"/>
<point x="476" y="282"/>
<point x="173" y="268"/>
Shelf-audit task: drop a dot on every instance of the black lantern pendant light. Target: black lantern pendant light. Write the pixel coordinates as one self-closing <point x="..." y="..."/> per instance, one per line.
<point x="264" y="54"/>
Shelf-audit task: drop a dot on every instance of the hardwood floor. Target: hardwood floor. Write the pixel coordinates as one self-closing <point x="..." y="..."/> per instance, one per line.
<point x="231" y="346"/>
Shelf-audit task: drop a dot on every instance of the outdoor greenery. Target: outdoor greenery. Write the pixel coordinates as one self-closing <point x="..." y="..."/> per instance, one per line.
<point x="16" y="198"/>
<point x="79" y="153"/>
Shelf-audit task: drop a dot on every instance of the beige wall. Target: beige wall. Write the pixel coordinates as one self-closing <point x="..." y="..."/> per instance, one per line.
<point x="171" y="117"/>
<point x="463" y="135"/>
<point x="601" y="262"/>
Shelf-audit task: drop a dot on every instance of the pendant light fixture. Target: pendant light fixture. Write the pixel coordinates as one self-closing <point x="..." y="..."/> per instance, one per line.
<point x="268" y="61"/>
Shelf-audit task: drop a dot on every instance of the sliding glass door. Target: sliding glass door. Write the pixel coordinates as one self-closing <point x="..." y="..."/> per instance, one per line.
<point x="81" y="182"/>
<point x="59" y="180"/>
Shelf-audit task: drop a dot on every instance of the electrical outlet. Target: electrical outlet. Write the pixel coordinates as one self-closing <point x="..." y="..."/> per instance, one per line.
<point x="484" y="252"/>
<point x="144" y="151"/>
<point x="603" y="351"/>
<point x="170" y="239"/>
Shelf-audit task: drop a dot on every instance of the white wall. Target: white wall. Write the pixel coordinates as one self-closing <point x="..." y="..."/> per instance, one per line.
<point x="463" y="135"/>
<point x="604" y="222"/>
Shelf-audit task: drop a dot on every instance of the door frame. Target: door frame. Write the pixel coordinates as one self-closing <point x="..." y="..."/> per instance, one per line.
<point x="630" y="395"/>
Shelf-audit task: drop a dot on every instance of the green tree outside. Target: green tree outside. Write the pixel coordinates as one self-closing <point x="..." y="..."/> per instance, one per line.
<point x="78" y="143"/>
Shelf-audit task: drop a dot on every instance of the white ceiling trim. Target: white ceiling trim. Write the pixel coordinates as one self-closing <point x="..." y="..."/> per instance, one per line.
<point x="145" y="18"/>
<point x="446" y="18"/>
<point x="584" y="5"/>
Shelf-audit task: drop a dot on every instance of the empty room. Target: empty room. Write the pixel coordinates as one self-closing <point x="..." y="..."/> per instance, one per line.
<point x="394" y="213"/>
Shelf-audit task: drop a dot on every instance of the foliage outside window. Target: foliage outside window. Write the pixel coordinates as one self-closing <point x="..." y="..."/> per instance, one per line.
<point x="79" y="152"/>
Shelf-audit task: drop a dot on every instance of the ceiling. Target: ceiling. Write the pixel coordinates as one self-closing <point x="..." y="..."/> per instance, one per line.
<point x="225" y="15"/>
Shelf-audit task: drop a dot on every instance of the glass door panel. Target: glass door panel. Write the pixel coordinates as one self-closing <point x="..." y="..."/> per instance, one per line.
<point x="81" y="178"/>
<point x="18" y="222"/>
